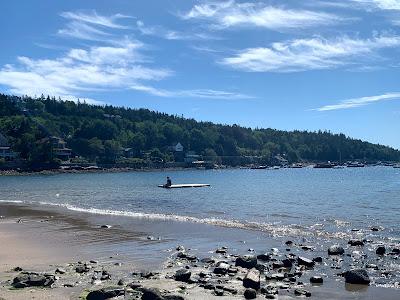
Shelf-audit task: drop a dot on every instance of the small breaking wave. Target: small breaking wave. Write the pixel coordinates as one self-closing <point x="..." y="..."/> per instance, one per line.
<point x="275" y="229"/>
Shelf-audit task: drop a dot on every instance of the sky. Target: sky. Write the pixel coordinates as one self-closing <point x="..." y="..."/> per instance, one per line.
<point x="288" y="64"/>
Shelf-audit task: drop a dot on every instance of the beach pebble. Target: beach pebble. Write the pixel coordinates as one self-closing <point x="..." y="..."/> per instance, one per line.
<point x="221" y="268"/>
<point x="60" y="271"/>
<point x="358" y="276"/>
<point x="250" y="294"/>
<point x="335" y="250"/>
<point x="252" y="279"/>
<point x="151" y="294"/>
<point x="264" y="257"/>
<point x="316" y="279"/>
<point x="381" y="250"/>
<point x="303" y="261"/>
<point x="105" y="226"/>
<point x="218" y="291"/>
<point x="28" y="279"/>
<point x="105" y="293"/>
<point x="356" y="243"/>
<point x="183" y="275"/>
<point x="301" y="292"/>
<point x="246" y="261"/>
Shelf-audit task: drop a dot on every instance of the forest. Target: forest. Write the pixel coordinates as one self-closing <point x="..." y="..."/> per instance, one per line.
<point x="97" y="133"/>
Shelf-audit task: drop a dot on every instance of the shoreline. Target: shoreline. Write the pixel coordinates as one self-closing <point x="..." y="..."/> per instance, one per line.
<point x="42" y="240"/>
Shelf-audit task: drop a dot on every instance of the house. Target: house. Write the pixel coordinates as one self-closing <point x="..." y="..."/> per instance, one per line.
<point x="59" y="148"/>
<point x="128" y="152"/>
<point x="176" y="147"/>
<point x="5" y="149"/>
<point x="279" y="160"/>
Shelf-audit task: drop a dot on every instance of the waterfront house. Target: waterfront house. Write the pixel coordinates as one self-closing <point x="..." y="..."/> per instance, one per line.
<point x="5" y="149"/>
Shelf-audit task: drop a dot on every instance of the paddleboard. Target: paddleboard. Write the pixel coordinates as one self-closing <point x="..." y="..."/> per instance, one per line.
<point x="180" y="186"/>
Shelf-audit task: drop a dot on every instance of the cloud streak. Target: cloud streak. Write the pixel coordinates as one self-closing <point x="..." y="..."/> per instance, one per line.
<point x="357" y="102"/>
<point x="310" y="54"/>
<point x="196" y="93"/>
<point x="231" y="14"/>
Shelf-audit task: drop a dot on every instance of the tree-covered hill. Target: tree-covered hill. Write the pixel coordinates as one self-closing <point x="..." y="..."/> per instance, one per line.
<point x="98" y="133"/>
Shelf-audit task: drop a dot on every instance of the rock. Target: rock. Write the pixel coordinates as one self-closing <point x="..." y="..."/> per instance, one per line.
<point x="121" y="282"/>
<point x="105" y="293"/>
<point x="105" y="226"/>
<point x="287" y="263"/>
<point x="335" y="250"/>
<point x="17" y="269"/>
<point x="218" y="291"/>
<point x="276" y="276"/>
<point x="301" y="292"/>
<point x="288" y="243"/>
<point x="221" y="250"/>
<point x="82" y="269"/>
<point x="375" y="228"/>
<point x="317" y="259"/>
<point x="381" y="250"/>
<point x="396" y="250"/>
<point x="173" y="297"/>
<point x="307" y="248"/>
<point x="27" y="279"/>
<point x="246" y="261"/>
<point x="356" y="243"/>
<point x="207" y="260"/>
<point x="302" y="261"/>
<point x="252" y="279"/>
<point x="105" y="275"/>
<point x="183" y="275"/>
<point x="250" y="294"/>
<point x="316" y="279"/>
<point x="60" y="271"/>
<point x="221" y="268"/>
<point x="151" y="294"/>
<point x="358" y="276"/>
<point x="264" y="257"/>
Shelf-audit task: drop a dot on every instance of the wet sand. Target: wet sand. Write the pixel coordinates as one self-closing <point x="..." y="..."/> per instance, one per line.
<point x="39" y="239"/>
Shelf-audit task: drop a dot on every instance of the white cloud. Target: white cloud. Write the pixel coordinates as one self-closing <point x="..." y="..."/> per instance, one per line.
<point x="90" y="25"/>
<point x="357" y="102"/>
<point x="381" y="4"/>
<point x="231" y="14"/>
<point x="311" y="54"/>
<point x="197" y="93"/>
<point x="78" y="70"/>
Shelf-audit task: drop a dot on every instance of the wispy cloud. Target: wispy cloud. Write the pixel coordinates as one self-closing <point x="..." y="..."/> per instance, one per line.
<point x="357" y="102"/>
<point x="161" y="32"/>
<point x="381" y="4"/>
<point x="311" y="54"/>
<point x="88" y="25"/>
<point x="224" y="14"/>
<point x="78" y="70"/>
<point x="196" y="93"/>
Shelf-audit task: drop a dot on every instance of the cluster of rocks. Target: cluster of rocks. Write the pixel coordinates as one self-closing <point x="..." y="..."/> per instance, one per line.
<point x="289" y="271"/>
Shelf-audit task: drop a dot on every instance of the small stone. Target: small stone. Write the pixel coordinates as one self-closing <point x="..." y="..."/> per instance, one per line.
<point x="221" y="268"/>
<point x="151" y="294"/>
<point x="381" y="250"/>
<point x="17" y="269"/>
<point x="264" y="257"/>
<point x="60" y="271"/>
<point x="250" y="294"/>
<point x="183" y="275"/>
<point x="246" y="261"/>
<point x="356" y="243"/>
<point x="105" y="293"/>
<point x="302" y="261"/>
<point x="358" y="276"/>
<point x="221" y="250"/>
<point x="105" y="226"/>
<point x="121" y="282"/>
<point x="316" y="279"/>
<point x="252" y="279"/>
<point x="288" y="243"/>
<point x="318" y="259"/>
<point x="335" y="250"/>
<point x="218" y="292"/>
<point x="82" y="269"/>
<point x="301" y="292"/>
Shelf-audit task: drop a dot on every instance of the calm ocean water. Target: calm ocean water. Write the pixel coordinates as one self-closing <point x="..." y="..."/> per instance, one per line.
<point x="326" y="203"/>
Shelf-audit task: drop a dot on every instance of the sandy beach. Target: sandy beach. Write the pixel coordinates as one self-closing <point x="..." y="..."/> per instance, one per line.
<point x="44" y="241"/>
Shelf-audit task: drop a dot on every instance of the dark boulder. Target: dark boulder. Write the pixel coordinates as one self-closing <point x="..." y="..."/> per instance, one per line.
<point x="250" y="294"/>
<point x="318" y="259"/>
<point x="335" y="250"/>
<point x="82" y="269"/>
<point x="105" y="293"/>
<point x="246" y="261"/>
<point x="358" y="276"/>
<point x="356" y="243"/>
<point x="221" y="268"/>
<point x="173" y="297"/>
<point x="27" y="279"/>
<point x="301" y="292"/>
<point x="302" y="261"/>
<point x="252" y="279"/>
<point x="381" y="250"/>
<point x="183" y="275"/>
<point x="316" y="279"/>
<point x="264" y="257"/>
<point x="151" y="294"/>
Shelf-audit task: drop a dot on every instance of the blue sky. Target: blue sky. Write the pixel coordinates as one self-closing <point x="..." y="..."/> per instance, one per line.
<point x="315" y="64"/>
